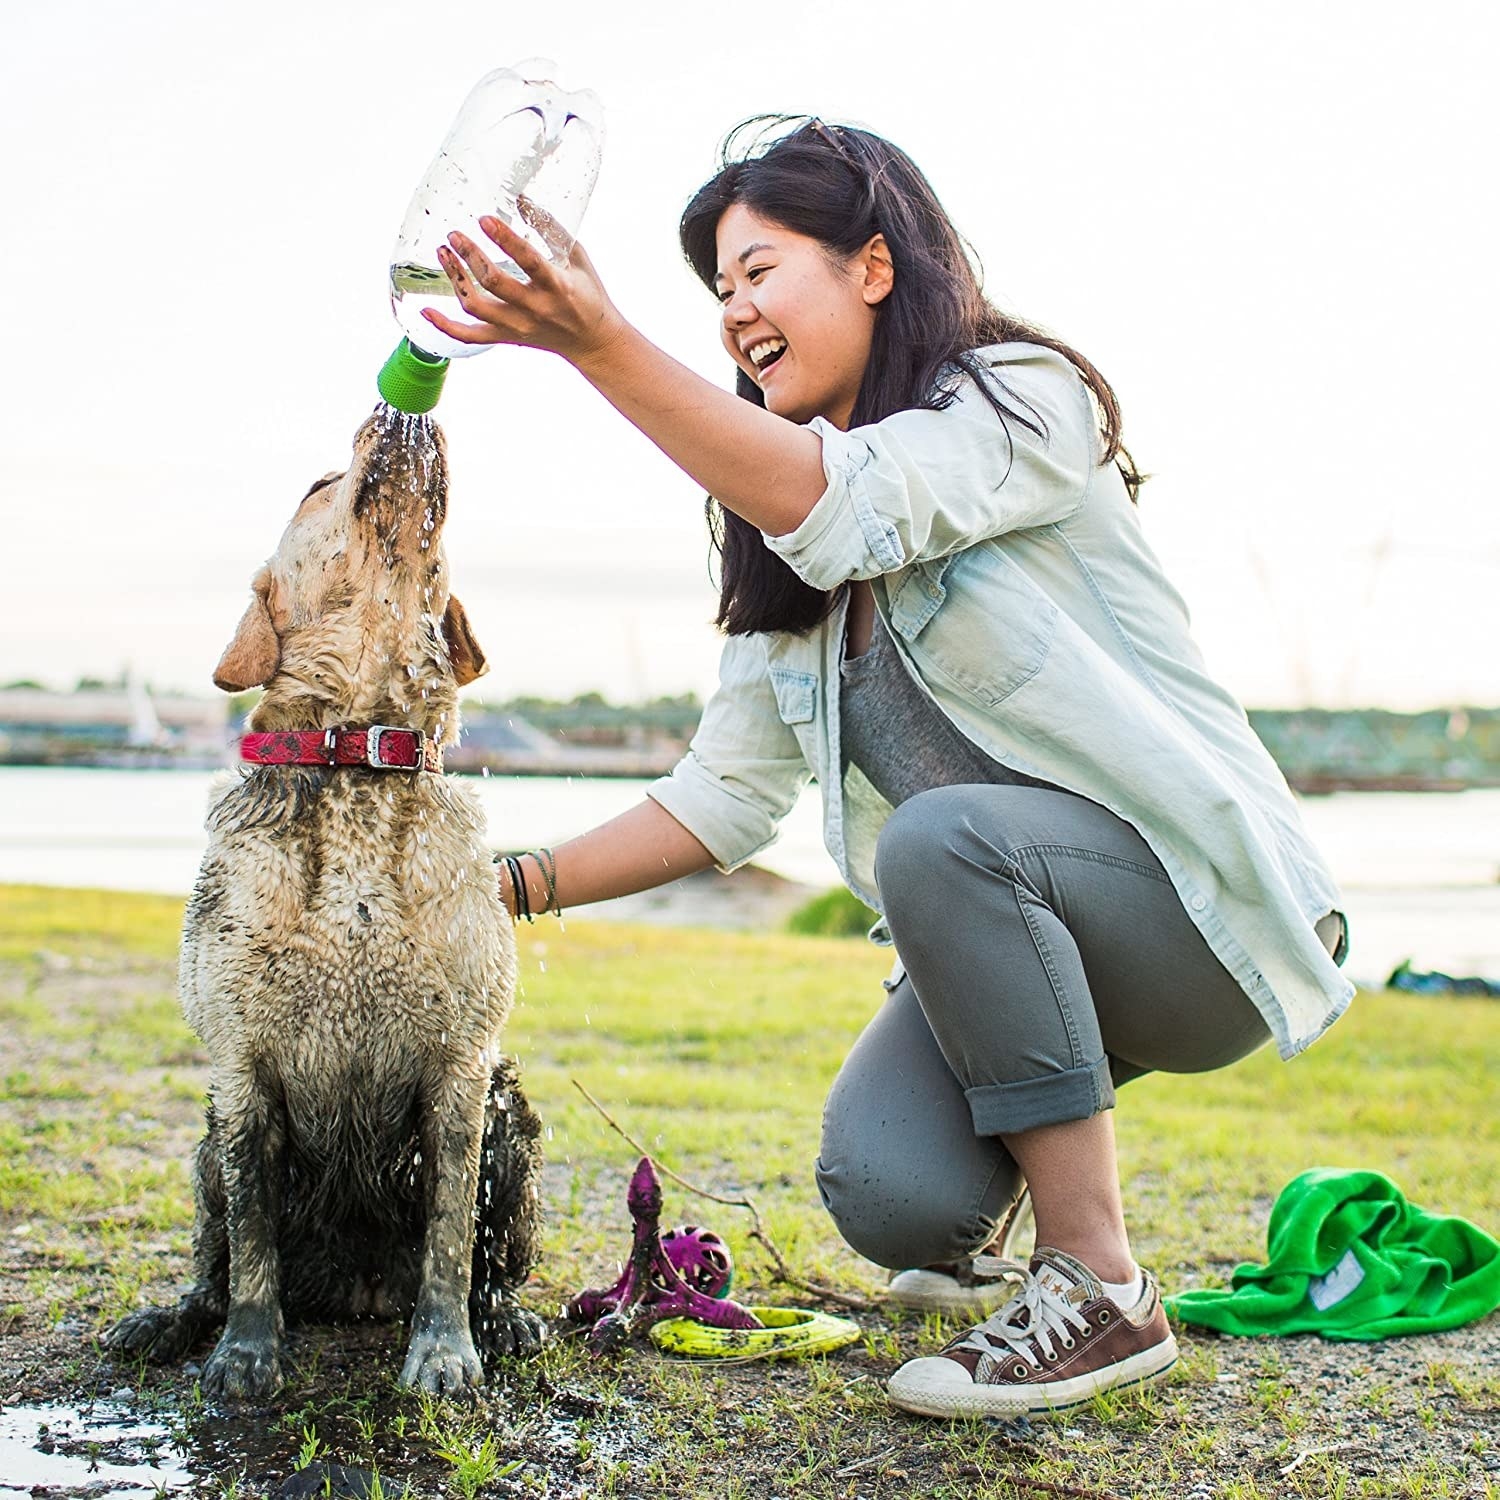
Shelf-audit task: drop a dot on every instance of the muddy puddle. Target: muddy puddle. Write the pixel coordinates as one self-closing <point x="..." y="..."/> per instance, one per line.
<point x="133" y="1446"/>
<point x="103" y="1451"/>
<point x="130" y="1445"/>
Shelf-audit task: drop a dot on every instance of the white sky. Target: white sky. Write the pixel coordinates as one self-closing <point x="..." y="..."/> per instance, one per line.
<point x="1272" y="226"/>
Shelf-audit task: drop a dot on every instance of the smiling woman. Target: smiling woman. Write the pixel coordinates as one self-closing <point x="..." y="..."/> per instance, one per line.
<point x="826" y="217"/>
<point x="798" y="321"/>
<point x="940" y="605"/>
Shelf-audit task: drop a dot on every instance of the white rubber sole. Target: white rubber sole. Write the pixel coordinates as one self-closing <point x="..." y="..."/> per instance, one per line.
<point x="933" y="1392"/>
<point x="933" y="1292"/>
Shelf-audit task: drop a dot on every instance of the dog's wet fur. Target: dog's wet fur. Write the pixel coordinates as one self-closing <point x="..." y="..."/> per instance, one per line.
<point x="349" y="966"/>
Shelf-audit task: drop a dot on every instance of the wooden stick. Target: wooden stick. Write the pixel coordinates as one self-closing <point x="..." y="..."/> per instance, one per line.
<point x="758" y="1231"/>
<point x="863" y="1463"/>
<point x="1308" y="1453"/>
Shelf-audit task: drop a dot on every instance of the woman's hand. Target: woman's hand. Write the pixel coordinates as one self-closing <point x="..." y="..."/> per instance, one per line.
<point x="562" y="307"/>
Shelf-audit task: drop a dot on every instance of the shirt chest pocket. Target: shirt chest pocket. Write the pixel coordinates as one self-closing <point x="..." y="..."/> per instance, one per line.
<point x="976" y="619"/>
<point x="796" y="694"/>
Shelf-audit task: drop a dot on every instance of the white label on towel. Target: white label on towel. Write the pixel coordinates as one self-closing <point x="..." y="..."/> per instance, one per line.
<point x="1324" y="1291"/>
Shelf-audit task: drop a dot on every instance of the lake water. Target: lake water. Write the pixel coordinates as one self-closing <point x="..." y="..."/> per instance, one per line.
<point x="1420" y="872"/>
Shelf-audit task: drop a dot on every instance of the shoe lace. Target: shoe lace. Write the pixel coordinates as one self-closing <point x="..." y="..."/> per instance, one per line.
<point x="996" y="1268"/>
<point x="1036" y="1315"/>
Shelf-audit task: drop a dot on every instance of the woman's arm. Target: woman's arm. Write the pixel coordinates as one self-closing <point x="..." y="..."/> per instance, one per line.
<point x="834" y="505"/>
<point x="721" y="804"/>
<point x="641" y="848"/>
<point x="761" y="466"/>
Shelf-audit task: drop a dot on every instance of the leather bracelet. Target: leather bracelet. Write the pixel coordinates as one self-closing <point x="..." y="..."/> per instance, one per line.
<point x="504" y="859"/>
<point x="518" y="887"/>
<point x="522" y="889"/>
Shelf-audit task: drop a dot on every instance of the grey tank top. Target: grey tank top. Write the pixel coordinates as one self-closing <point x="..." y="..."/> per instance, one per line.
<point x="899" y="738"/>
<point x="905" y="744"/>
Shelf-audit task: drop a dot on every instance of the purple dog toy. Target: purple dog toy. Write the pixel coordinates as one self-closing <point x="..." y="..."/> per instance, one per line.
<point x="701" y="1258"/>
<point x="652" y="1286"/>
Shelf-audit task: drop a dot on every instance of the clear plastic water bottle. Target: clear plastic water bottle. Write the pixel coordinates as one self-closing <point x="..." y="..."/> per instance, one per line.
<point x="521" y="149"/>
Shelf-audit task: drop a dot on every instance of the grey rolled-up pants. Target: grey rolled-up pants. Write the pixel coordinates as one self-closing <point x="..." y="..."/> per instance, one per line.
<point x="1048" y="958"/>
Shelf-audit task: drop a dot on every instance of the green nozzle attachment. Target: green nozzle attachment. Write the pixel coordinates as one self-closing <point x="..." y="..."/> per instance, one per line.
<point x="411" y="380"/>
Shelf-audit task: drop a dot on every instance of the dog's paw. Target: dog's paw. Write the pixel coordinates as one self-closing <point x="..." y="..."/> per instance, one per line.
<point x="442" y="1362"/>
<point x="159" y="1333"/>
<point x="242" y="1369"/>
<point x="508" y="1330"/>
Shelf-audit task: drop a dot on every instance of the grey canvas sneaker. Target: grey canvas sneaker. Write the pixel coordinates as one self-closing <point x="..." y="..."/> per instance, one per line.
<point x="1059" y="1341"/>
<point x="975" y="1287"/>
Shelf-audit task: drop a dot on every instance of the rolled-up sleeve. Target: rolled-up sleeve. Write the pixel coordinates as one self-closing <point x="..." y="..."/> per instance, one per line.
<point x="744" y="769"/>
<point x="923" y="484"/>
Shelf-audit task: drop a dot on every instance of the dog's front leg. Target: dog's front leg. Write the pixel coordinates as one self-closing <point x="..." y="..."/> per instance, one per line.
<point x="246" y="1363"/>
<point x="442" y="1357"/>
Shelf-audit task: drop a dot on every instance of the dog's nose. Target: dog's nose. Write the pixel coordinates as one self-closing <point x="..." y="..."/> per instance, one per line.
<point x="388" y="428"/>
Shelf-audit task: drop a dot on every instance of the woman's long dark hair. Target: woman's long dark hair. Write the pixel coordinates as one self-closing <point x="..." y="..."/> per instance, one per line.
<point x="841" y="187"/>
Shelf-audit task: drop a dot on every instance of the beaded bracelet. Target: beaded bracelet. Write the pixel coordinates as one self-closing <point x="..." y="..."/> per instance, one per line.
<point x="547" y="863"/>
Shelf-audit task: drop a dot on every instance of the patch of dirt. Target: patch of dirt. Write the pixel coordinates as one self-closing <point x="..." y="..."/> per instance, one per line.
<point x="638" y="1425"/>
<point x="1296" y="1416"/>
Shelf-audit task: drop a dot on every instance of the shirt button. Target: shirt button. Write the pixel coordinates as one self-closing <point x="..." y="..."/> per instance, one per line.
<point x="1199" y="902"/>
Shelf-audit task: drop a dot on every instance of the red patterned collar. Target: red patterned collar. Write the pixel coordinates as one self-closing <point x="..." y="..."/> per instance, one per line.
<point x="384" y="747"/>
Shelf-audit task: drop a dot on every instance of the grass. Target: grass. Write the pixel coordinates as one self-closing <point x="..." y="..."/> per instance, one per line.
<point x="835" y="913"/>
<point x="716" y="1050"/>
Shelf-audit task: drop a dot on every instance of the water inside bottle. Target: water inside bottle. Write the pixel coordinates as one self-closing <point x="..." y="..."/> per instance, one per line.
<point x="521" y="150"/>
<point x="414" y="288"/>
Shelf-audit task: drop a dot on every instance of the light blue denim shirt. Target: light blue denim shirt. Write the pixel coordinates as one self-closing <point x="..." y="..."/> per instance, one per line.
<point x="1022" y="595"/>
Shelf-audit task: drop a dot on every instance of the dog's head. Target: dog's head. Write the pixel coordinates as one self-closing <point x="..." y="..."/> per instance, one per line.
<point x="351" y="620"/>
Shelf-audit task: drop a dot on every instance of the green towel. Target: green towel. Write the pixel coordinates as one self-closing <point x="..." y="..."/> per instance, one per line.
<point x="1350" y="1258"/>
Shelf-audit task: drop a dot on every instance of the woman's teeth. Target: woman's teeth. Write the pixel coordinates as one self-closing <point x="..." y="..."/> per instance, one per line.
<point x="762" y="355"/>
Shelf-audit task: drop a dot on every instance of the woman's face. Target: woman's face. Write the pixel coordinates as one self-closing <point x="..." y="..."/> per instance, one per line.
<point x="799" y="325"/>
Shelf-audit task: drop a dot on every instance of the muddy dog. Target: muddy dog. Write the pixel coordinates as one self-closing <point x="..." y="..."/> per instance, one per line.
<point x="348" y="964"/>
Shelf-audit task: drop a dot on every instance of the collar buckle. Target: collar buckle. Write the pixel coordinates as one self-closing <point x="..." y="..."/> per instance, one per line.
<point x="374" y="737"/>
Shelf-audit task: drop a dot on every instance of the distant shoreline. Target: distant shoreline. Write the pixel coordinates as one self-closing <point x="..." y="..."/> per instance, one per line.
<point x="605" y="765"/>
<point x="124" y="726"/>
<point x="1420" y="874"/>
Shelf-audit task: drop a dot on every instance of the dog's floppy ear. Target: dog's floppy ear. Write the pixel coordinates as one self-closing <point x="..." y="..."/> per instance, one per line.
<point x="464" y="652"/>
<point x="252" y="657"/>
